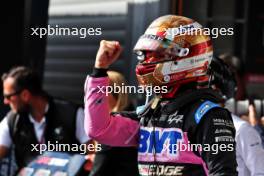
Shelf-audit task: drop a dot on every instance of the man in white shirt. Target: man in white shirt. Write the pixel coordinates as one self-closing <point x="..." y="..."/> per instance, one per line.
<point x="36" y="118"/>
<point x="249" y="151"/>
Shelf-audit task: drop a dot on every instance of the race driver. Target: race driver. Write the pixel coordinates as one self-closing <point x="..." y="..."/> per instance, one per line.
<point x="173" y="52"/>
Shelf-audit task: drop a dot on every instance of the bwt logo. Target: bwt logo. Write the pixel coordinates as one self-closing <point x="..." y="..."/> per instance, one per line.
<point x="156" y="140"/>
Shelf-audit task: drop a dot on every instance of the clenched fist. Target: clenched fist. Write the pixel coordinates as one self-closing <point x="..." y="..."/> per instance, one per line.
<point x="107" y="53"/>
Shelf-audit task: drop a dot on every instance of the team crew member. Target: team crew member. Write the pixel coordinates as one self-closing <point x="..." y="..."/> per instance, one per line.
<point x="168" y="56"/>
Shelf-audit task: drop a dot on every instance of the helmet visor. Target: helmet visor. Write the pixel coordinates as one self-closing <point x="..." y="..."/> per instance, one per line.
<point x="148" y="42"/>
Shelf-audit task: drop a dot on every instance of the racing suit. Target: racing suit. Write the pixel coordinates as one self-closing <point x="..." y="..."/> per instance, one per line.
<point x="164" y="133"/>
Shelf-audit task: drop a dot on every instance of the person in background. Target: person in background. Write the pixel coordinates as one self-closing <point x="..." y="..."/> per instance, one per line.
<point x="116" y="161"/>
<point x="254" y="121"/>
<point x="235" y="65"/>
<point x="249" y="151"/>
<point x="35" y="117"/>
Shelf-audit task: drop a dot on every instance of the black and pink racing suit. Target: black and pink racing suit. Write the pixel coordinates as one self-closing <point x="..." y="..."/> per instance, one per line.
<point x="189" y="135"/>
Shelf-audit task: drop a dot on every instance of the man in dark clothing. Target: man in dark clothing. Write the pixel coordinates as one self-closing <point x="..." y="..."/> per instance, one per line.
<point x="36" y="118"/>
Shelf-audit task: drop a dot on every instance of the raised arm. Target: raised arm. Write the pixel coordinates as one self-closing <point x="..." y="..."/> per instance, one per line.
<point x="107" y="129"/>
